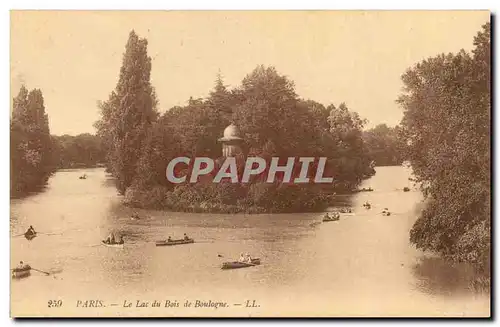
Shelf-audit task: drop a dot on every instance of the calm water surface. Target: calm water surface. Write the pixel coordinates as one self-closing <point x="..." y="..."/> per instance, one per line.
<point x="361" y="265"/>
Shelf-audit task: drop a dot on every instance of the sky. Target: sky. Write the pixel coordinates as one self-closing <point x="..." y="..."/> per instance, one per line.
<point x="356" y="57"/>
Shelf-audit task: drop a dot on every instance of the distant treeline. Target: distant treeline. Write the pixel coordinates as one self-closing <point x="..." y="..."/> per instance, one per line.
<point x="385" y="145"/>
<point x="81" y="151"/>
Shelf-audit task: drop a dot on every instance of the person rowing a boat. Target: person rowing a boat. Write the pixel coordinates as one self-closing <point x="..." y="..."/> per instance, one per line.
<point x="30" y="231"/>
<point x="242" y="258"/>
<point x="110" y="239"/>
<point x="248" y="258"/>
<point x="169" y="239"/>
<point x="21" y="265"/>
<point x="186" y="238"/>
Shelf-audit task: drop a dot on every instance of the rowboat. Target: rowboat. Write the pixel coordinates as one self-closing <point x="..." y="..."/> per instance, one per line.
<point x="113" y="245"/>
<point x="29" y="236"/>
<point x="334" y="217"/>
<point x="238" y="264"/>
<point x="21" y="272"/>
<point x="174" y="242"/>
<point x="363" y="190"/>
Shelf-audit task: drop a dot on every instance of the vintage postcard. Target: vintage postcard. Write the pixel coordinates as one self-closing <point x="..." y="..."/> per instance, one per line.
<point x="250" y="164"/>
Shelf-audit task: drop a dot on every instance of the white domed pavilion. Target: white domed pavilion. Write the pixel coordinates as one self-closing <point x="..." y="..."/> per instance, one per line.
<point x="231" y="141"/>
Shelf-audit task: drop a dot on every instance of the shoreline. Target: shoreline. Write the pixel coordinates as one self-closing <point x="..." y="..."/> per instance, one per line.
<point x="225" y="210"/>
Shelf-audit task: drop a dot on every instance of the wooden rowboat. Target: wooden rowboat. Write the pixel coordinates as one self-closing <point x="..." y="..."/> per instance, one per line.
<point x="174" y="242"/>
<point x="21" y="272"/>
<point x="238" y="264"/>
<point x="113" y="245"/>
<point x="331" y="217"/>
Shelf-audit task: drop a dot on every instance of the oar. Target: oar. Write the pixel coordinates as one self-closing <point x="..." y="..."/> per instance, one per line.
<point x="49" y="234"/>
<point x="36" y="233"/>
<point x="250" y="264"/>
<point x="24" y="234"/>
<point x="91" y="246"/>
<point x="46" y="273"/>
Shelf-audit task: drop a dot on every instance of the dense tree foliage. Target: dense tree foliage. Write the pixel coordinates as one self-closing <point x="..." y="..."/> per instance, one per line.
<point x="447" y="126"/>
<point x="128" y="113"/>
<point x="385" y="145"/>
<point x="349" y="151"/>
<point x="84" y="150"/>
<point x="31" y="145"/>
<point x="269" y="112"/>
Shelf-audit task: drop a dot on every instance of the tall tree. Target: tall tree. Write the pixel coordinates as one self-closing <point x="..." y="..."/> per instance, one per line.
<point x="220" y="98"/>
<point x="349" y="155"/>
<point x="31" y="144"/>
<point x="129" y="113"/>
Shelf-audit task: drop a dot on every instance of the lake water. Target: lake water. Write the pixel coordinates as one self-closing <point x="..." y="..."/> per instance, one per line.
<point x="362" y="265"/>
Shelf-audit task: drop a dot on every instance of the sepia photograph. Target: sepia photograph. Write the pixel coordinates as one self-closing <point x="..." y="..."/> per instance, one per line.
<point x="307" y="163"/>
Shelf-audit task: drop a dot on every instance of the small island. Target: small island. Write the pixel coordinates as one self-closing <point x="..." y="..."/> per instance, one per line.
<point x="253" y="197"/>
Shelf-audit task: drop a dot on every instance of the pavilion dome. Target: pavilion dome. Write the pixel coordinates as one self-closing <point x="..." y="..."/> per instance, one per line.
<point x="232" y="132"/>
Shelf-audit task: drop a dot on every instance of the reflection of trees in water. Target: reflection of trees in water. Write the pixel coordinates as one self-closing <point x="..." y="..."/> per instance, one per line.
<point x="37" y="189"/>
<point x="438" y="276"/>
<point x="119" y="220"/>
<point x="108" y="181"/>
<point x="13" y="220"/>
